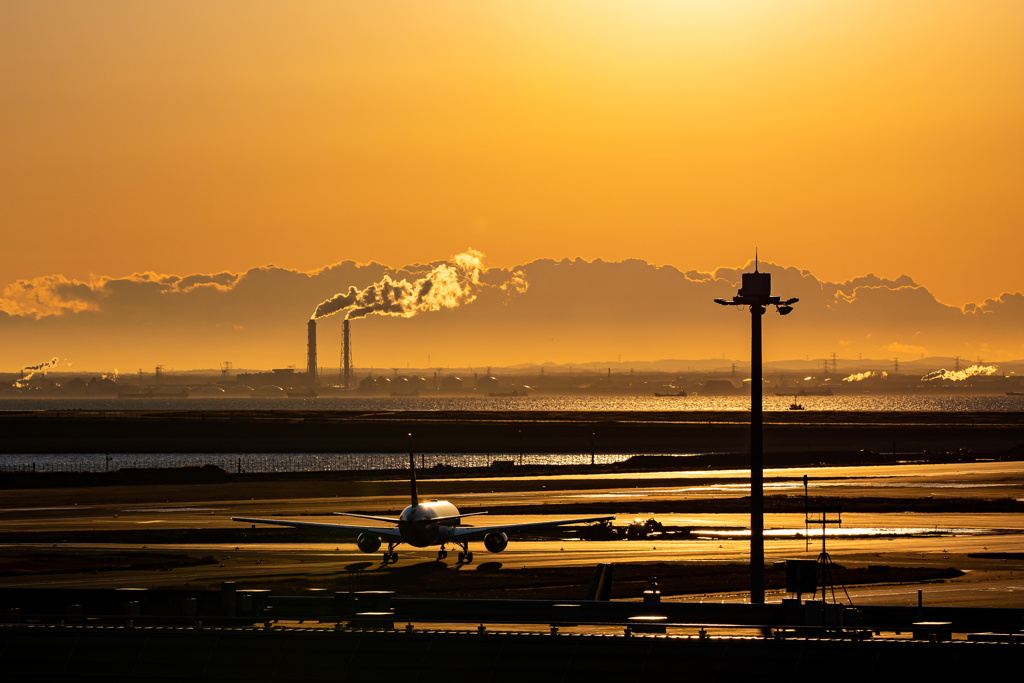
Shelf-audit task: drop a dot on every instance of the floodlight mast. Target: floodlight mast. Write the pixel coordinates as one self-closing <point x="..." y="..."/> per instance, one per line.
<point x="756" y="293"/>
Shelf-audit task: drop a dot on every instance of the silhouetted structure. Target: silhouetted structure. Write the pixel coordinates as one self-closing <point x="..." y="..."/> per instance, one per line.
<point x="346" y="355"/>
<point x="311" y="373"/>
<point x="826" y="568"/>
<point x="756" y="293"/>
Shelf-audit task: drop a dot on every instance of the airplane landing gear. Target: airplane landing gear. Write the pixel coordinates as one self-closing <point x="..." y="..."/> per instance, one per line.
<point x="465" y="556"/>
<point x="441" y="554"/>
<point x="391" y="556"/>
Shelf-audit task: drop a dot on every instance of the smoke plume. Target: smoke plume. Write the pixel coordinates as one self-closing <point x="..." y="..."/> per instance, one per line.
<point x="860" y="376"/>
<point x="960" y="375"/>
<point x="33" y="370"/>
<point x="449" y="285"/>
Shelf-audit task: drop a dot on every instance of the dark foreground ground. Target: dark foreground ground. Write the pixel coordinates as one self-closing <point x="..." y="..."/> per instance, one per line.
<point x="86" y="653"/>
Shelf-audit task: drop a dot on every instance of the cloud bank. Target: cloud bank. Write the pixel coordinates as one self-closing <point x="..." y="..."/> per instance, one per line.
<point x="564" y="311"/>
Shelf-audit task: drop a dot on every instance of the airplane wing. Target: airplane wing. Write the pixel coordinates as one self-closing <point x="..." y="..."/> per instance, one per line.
<point x="384" y="532"/>
<point x="473" y="533"/>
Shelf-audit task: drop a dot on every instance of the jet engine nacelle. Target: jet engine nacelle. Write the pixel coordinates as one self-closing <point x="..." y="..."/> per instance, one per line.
<point x="495" y="541"/>
<point x="368" y="543"/>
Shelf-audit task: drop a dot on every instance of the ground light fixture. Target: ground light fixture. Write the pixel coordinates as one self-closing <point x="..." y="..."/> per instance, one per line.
<point x="756" y="293"/>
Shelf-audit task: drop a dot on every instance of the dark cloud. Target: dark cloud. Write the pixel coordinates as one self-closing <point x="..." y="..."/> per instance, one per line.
<point x="573" y="310"/>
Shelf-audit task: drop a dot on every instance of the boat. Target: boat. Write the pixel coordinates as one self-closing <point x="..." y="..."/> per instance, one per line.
<point x="1015" y="393"/>
<point x="508" y="395"/>
<point x="795" y="406"/>
<point x="681" y="393"/>
<point x="308" y="394"/>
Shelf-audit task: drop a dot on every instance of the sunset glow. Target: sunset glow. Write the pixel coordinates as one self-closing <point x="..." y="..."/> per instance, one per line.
<point x="844" y="138"/>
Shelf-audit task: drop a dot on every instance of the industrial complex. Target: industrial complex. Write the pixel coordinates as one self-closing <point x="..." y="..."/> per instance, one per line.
<point x="708" y="378"/>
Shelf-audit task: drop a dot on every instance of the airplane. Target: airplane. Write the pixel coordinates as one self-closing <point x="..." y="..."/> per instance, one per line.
<point x="422" y="525"/>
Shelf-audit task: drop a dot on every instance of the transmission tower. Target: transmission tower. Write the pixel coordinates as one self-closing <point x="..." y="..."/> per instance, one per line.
<point x="956" y="363"/>
<point x="225" y="369"/>
<point x="835" y="363"/>
<point x="895" y="366"/>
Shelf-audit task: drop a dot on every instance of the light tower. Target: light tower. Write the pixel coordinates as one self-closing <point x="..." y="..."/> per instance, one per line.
<point x="756" y="293"/>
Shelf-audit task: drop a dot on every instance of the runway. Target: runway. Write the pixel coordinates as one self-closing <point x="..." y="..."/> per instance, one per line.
<point x="908" y="539"/>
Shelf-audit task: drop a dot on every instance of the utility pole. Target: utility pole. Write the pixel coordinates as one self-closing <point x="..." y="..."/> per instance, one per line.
<point x="755" y="293"/>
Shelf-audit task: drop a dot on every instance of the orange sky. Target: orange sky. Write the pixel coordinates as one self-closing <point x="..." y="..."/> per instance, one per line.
<point x="841" y="137"/>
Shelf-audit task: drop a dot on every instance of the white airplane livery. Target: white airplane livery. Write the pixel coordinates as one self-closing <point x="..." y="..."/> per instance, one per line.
<point x="422" y="525"/>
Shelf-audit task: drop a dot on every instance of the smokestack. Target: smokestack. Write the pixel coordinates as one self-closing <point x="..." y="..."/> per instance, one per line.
<point x="346" y="355"/>
<point x="311" y="374"/>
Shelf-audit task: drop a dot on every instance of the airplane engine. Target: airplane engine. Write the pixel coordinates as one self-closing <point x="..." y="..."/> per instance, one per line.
<point x="495" y="541"/>
<point x="368" y="543"/>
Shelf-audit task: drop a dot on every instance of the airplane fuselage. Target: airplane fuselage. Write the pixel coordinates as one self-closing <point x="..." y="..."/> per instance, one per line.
<point x="416" y="528"/>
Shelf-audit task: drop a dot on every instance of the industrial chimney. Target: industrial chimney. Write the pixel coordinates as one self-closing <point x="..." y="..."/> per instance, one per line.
<point x="346" y="356"/>
<point x="311" y="374"/>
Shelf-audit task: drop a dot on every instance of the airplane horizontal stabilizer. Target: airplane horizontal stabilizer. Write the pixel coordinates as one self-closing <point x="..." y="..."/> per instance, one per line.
<point x="393" y="520"/>
<point x="337" y="528"/>
<point x="451" y="517"/>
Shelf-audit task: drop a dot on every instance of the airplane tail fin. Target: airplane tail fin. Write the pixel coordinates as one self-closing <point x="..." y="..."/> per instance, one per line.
<point x="412" y="474"/>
